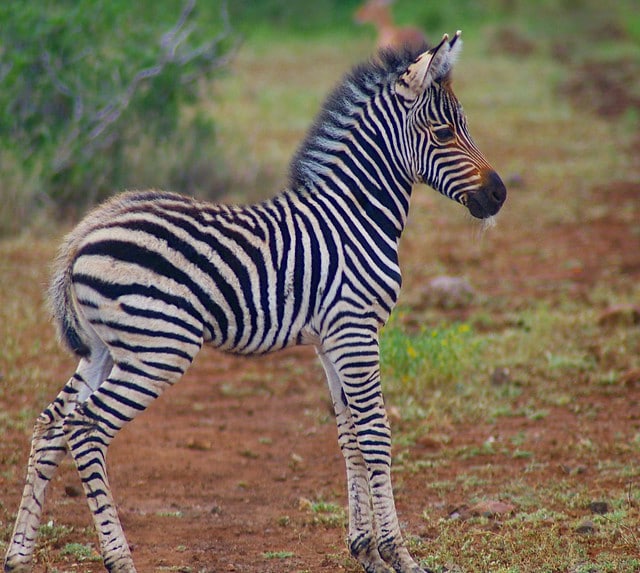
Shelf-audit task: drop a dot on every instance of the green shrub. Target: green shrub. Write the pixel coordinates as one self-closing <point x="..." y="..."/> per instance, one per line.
<point x="87" y="86"/>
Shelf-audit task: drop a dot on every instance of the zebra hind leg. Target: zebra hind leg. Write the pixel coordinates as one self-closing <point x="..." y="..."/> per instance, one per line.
<point x="48" y="448"/>
<point x="130" y="387"/>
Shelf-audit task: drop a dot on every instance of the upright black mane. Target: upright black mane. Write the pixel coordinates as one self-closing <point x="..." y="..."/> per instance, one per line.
<point x="357" y="87"/>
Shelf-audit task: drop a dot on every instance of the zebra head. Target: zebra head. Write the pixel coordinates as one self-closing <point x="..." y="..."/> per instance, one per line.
<point x="442" y="153"/>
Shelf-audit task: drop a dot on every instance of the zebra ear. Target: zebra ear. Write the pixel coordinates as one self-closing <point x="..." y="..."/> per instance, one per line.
<point x="430" y="66"/>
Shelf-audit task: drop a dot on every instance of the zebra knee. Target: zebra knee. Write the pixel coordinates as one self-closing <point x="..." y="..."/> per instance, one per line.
<point x="82" y="427"/>
<point x="47" y="444"/>
<point x="44" y="422"/>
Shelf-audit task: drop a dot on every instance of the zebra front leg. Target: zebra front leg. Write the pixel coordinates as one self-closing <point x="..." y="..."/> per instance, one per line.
<point x="362" y="535"/>
<point x="356" y="370"/>
<point x="48" y="448"/>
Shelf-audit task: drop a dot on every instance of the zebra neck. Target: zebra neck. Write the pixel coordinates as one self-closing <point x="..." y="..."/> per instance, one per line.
<point x="381" y="210"/>
<point x="369" y="187"/>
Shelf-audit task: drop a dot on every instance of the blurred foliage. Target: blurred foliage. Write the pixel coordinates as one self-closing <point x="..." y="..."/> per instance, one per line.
<point x="295" y="17"/>
<point x="102" y="95"/>
<point x="85" y="83"/>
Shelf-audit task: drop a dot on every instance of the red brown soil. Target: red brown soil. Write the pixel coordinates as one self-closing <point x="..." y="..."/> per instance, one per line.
<point x="214" y="475"/>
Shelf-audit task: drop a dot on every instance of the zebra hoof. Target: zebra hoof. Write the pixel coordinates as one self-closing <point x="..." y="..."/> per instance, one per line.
<point x="13" y="565"/>
<point x="380" y="567"/>
<point x="120" y="565"/>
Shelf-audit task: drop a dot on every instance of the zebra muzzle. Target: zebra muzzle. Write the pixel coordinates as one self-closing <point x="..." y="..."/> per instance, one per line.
<point x="488" y="198"/>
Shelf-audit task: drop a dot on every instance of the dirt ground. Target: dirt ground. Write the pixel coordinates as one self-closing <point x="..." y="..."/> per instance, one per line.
<point x="217" y="475"/>
<point x="219" y="471"/>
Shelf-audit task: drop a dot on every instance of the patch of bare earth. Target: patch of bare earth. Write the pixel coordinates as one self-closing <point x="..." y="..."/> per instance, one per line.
<point x="214" y="476"/>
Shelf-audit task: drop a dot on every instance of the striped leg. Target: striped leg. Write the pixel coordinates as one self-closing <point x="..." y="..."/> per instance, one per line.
<point x="362" y="535"/>
<point x="365" y="439"/>
<point x="89" y="431"/>
<point x="48" y="448"/>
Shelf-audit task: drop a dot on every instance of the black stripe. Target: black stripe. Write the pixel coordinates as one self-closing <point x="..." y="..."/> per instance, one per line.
<point x="155" y="314"/>
<point x="122" y="399"/>
<point x="147" y="332"/>
<point x="130" y="252"/>
<point x="126" y="367"/>
<point x="139" y="348"/>
<point x="113" y="291"/>
<point x="163" y="366"/>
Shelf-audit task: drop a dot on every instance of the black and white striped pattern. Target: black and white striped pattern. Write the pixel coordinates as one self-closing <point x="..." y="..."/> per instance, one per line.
<point x="145" y="280"/>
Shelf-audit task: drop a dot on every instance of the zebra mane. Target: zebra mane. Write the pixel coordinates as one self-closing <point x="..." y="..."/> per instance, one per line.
<point x="343" y="104"/>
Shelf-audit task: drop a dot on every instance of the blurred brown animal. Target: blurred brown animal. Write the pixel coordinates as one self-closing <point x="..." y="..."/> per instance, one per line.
<point x="378" y="13"/>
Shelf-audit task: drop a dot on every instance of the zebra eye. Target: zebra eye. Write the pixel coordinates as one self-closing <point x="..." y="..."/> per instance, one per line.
<point x="444" y="134"/>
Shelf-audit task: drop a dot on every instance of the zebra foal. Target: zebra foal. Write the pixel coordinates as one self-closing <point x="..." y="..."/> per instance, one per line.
<point x="146" y="279"/>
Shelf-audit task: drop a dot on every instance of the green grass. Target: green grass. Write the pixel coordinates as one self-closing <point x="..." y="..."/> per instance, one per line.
<point x="278" y="554"/>
<point x="443" y="372"/>
<point x="80" y="552"/>
<point x="430" y="358"/>
<point x="322" y="513"/>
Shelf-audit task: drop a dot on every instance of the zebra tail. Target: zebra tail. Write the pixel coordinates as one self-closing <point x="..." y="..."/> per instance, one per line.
<point x="63" y="304"/>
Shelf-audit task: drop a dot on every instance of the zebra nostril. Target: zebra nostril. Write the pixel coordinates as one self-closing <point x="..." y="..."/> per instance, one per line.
<point x="493" y="191"/>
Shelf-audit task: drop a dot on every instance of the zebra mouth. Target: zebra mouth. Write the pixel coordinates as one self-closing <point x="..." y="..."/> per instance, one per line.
<point x="488" y="199"/>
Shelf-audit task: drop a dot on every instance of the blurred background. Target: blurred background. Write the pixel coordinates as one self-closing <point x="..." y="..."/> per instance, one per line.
<point x="211" y="98"/>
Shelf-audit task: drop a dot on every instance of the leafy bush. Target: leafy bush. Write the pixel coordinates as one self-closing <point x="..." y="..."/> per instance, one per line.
<point x="87" y="87"/>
